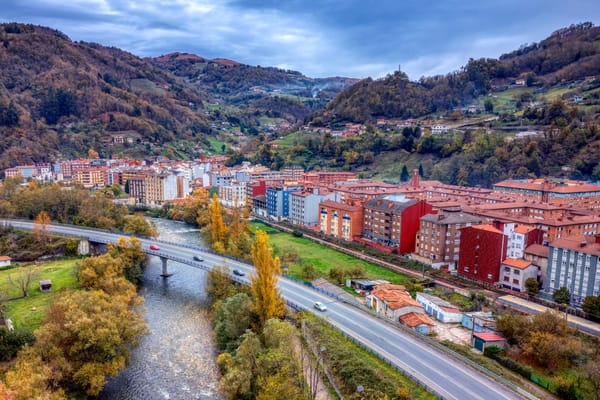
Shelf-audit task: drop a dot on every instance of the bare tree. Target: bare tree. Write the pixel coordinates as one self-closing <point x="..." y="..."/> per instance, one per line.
<point x="22" y="277"/>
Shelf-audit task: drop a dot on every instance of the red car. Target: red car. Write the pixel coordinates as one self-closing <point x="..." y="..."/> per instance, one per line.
<point x="154" y="247"/>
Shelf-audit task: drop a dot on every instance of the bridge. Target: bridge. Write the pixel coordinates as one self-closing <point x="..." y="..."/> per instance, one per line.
<point x="446" y="374"/>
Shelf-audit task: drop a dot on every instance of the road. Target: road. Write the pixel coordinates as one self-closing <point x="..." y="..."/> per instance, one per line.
<point x="437" y="371"/>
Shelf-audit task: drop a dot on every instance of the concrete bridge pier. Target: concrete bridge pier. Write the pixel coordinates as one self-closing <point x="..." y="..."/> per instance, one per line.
<point x="165" y="271"/>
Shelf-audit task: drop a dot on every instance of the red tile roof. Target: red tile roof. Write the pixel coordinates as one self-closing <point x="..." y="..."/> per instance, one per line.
<point x="339" y="206"/>
<point x="413" y="319"/>
<point x="488" y="336"/>
<point x="581" y="243"/>
<point x="516" y="263"/>
<point x="538" y="250"/>
<point x="5" y="258"/>
<point x="523" y="229"/>
<point x="486" y="227"/>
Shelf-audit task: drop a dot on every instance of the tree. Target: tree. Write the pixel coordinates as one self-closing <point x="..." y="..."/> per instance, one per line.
<point x="31" y="378"/>
<point x="562" y="296"/>
<point x="132" y="257"/>
<point x="532" y="286"/>
<point x="87" y="336"/>
<point x="218" y="283"/>
<point x="404" y="176"/>
<point x="93" y="154"/>
<point x="489" y="106"/>
<point x="22" y="278"/>
<point x="267" y="299"/>
<point x="232" y="318"/>
<point x="139" y="226"/>
<point x="41" y="222"/>
<point x="591" y="305"/>
<point x="216" y="227"/>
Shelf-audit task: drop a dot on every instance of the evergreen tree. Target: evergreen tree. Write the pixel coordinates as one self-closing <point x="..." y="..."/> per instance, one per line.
<point x="404" y="176"/>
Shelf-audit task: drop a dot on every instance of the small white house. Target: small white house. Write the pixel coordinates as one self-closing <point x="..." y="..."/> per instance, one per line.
<point x="439" y="309"/>
<point x="514" y="273"/>
<point x="5" y="261"/>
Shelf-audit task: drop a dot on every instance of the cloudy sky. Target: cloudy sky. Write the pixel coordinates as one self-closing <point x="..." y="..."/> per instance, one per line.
<point x="354" y="38"/>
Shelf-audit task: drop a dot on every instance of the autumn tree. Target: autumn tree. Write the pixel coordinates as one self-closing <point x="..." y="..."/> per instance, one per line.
<point x="217" y="231"/>
<point x="267" y="299"/>
<point x="41" y="222"/>
<point x="218" y="283"/>
<point x="139" y="226"/>
<point x="132" y="256"/>
<point x="32" y="378"/>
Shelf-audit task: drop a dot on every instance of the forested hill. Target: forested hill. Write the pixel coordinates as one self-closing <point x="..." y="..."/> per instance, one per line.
<point x="569" y="54"/>
<point x="264" y="90"/>
<point x="63" y="97"/>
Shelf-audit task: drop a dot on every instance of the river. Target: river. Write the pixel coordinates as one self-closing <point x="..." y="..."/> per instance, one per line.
<point x="176" y="360"/>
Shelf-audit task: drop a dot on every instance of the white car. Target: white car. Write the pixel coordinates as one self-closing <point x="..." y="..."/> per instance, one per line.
<point x="320" y="306"/>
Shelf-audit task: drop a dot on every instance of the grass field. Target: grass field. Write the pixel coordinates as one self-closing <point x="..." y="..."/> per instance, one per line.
<point x="28" y="312"/>
<point x="321" y="258"/>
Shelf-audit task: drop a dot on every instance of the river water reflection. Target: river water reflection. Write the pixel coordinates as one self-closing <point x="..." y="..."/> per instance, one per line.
<point x="176" y="360"/>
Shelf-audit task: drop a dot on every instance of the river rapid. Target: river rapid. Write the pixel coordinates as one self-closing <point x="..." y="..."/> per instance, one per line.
<point x="176" y="360"/>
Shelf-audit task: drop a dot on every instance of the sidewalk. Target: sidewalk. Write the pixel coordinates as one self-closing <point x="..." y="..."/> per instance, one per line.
<point x="584" y="325"/>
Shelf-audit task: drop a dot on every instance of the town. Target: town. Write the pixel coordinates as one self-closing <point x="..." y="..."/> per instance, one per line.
<point x="543" y="230"/>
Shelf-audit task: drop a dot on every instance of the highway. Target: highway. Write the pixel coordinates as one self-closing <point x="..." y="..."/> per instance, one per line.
<point x="440" y="373"/>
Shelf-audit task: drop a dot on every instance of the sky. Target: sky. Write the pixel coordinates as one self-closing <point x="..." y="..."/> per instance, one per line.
<point x="319" y="38"/>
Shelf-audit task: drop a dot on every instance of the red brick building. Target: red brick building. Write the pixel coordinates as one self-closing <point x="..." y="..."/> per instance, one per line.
<point x="392" y="221"/>
<point x="482" y="250"/>
<point x="340" y="220"/>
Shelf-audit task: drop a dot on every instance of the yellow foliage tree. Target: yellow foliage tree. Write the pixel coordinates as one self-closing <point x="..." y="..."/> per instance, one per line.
<point x="267" y="299"/>
<point x="216" y="226"/>
<point x="41" y="222"/>
<point x="93" y="154"/>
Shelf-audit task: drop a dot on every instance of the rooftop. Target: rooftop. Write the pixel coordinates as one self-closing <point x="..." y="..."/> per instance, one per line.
<point x="516" y="263"/>
<point x="488" y="336"/>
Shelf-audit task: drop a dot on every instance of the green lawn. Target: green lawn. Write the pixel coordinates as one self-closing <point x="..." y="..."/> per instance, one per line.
<point x="28" y="312"/>
<point x="321" y="258"/>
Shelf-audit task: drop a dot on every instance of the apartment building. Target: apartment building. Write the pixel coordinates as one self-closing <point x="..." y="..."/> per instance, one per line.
<point x="438" y="239"/>
<point x="573" y="262"/>
<point x="481" y="251"/>
<point x="392" y="221"/>
<point x="341" y="220"/>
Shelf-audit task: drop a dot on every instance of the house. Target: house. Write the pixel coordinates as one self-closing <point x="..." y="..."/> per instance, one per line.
<point x="479" y="321"/>
<point x="538" y="255"/>
<point x="395" y="303"/>
<point x="419" y="322"/>
<point x="514" y="272"/>
<point x="438" y="308"/>
<point x="481" y="340"/>
<point x="5" y="261"/>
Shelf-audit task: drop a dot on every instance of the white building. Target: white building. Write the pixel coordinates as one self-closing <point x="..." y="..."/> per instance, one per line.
<point x="304" y="207"/>
<point x="438" y="308"/>
<point x="233" y="195"/>
<point x="514" y="273"/>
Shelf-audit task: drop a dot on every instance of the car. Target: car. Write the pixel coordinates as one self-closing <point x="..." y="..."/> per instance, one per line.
<point x="238" y="272"/>
<point x="320" y="306"/>
<point x="198" y="258"/>
<point x="154" y="247"/>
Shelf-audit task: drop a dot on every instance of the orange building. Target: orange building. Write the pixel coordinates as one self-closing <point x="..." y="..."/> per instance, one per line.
<point x="340" y="220"/>
<point x="321" y="177"/>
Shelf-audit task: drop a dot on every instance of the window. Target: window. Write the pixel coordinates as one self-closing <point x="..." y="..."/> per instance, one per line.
<point x="517" y="272"/>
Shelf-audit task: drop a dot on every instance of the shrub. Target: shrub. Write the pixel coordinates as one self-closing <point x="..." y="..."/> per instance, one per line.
<point x="297" y="233"/>
<point x="12" y="342"/>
